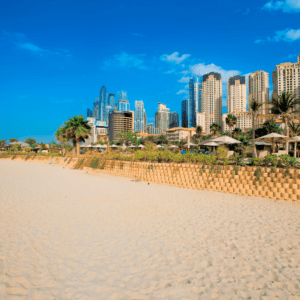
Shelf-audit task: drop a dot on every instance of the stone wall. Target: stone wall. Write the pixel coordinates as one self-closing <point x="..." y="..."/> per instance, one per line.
<point x="273" y="183"/>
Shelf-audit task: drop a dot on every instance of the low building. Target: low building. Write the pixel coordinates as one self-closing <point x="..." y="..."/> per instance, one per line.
<point x="97" y="127"/>
<point x="177" y="134"/>
<point x="244" y="121"/>
<point x="120" y="121"/>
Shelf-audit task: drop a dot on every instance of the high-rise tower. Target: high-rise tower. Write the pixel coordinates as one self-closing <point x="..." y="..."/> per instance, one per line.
<point x="185" y="113"/>
<point x="259" y="90"/>
<point x="286" y="78"/>
<point x="111" y="100"/>
<point x="173" y="119"/>
<point x="212" y="99"/>
<point x="236" y="94"/>
<point x="195" y="100"/>
<point x="161" y="118"/>
<point x="139" y="125"/>
<point x="103" y="102"/>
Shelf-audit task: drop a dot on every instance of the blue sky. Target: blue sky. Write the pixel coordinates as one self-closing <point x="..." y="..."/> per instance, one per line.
<point x="55" y="55"/>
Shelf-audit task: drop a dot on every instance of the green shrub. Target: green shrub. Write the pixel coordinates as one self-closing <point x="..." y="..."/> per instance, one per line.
<point x="94" y="162"/>
<point x="258" y="161"/>
<point x="257" y="174"/>
<point x="271" y="160"/>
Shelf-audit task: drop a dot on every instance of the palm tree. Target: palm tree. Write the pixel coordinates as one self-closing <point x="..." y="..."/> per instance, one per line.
<point x="294" y="128"/>
<point x="237" y="132"/>
<point x="30" y="141"/>
<point x="254" y="107"/>
<point x="78" y="130"/>
<point x="197" y="136"/>
<point x="284" y="106"/>
<point x="61" y="137"/>
<point x="215" y="128"/>
<point x="13" y="140"/>
<point x="231" y="120"/>
<point x="2" y="143"/>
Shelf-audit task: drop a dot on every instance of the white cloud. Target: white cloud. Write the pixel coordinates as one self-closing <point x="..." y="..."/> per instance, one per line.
<point x="286" y="35"/>
<point x="125" y="60"/>
<point x="201" y="69"/>
<point x="182" y="92"/>
<point x="184" y="79"/>
<point x="247" y="11"/>
<point x="287" y="6"/>
<point x="174" y="57"/>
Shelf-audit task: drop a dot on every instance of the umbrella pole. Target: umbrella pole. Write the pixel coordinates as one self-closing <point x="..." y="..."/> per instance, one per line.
<point x="295" y="149"/>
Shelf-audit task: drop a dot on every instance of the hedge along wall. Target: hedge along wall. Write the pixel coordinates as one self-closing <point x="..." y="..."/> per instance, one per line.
<point x="273" y="183"/>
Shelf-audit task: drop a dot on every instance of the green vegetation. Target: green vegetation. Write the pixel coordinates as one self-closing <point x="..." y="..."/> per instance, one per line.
<point x="257" y="174"/>
<point x="94" y="162"/>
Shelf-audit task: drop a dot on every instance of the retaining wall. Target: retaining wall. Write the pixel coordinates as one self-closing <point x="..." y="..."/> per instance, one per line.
<point x="273" y="183"/>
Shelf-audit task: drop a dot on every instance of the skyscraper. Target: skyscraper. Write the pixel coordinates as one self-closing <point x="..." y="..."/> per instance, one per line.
<point x="236" y="94"/>
<point x="259" y="90"/>
<point x="103" y="102"/>
<point x="145" y="121"/>
<point x="122" y="95"/>
<point x="286" y="78"/>
<point x="212" y="99"/>
<point x="108" y="109"/>
<point x="195" y="100"/>
<point x="123" y="103"/>
<point x="96" y="109"/>
<point x="111" y="100"/>
<point x="89" y="113"/>
<point x="150" y="128"/>
<point x="185" y="113"/>
<point x="173" y="119"/>
<point x="161" y="118"/>
<point x="139" y="116"/>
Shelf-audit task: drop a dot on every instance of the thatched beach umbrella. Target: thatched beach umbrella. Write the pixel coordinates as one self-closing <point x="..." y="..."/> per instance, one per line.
<point x="274" y="138"/>
<point x="173" y="147"/>
<point x="225" y="140"/>
<point x="141" y="146"/>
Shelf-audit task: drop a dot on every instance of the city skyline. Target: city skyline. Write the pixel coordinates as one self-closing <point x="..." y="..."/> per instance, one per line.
<point x="55" y="56"/>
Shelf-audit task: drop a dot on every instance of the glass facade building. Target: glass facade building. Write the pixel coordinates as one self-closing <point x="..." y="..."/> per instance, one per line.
<point x="195" y="100"/>
<point x="96" y="109"/>
<point x="185" y="113"/>
<point x="89" y="113"/>
<point x="123" y="105"/>
<point x="139" y="116"/>
<point x="111" y="100"/>
<point x="103" y="102"/>
<point x="122" y="95"/>
<point x="173" y="119"/>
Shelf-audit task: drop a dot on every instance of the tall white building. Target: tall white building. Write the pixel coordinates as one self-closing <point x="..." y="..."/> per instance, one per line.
<point x="236" y="94"/>
<point x="259" y="90"/>
<point x="286" y="78"/>
<point x="161" y="118"/>
<point x="200" y="121"/>
<point x="212" y="99"/>
<point x="139" y="119"/>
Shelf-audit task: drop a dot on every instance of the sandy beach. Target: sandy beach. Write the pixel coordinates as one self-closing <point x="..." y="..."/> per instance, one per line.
<point x="68" y="234"/>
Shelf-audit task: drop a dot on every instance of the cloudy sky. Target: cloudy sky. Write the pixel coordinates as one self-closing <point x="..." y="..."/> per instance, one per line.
<point x="55" y="55"/>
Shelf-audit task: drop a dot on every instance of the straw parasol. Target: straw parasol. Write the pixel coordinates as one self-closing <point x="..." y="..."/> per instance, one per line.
<point x="113" y="146"/>
<point x="212" y="144"/>
<point x="226" y="140"/>
<point x="141" y="146"/>
<point x="191" y="144"/>
<point x="22" y="144"/>
<point x="173" y="147"/>
<point x="159" y="146"/>
<point x="131" y="146"/>
<point x="86" y="146"/>
<point x="274" y="138"/>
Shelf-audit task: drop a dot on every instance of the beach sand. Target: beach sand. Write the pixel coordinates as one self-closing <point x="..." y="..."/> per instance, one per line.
<point x="68" y="234"/>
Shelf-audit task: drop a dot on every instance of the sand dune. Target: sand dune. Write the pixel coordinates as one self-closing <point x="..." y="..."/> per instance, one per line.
<point x="66" y="235"/>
